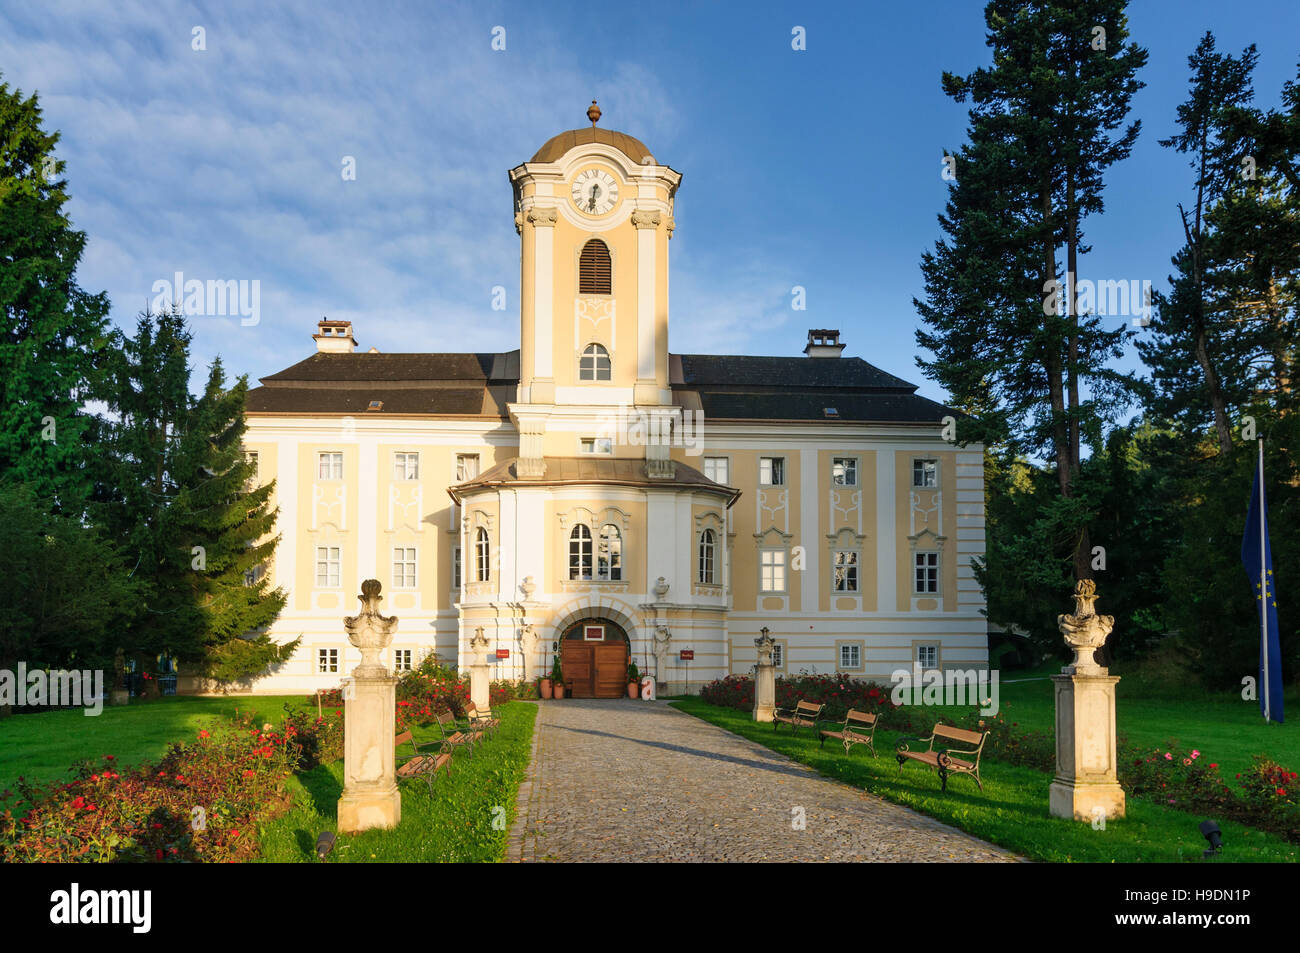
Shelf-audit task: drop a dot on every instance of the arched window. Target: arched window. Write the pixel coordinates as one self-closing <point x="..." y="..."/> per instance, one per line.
<point x="580" y="552"/>
<point x="595" y="270"/>
<point x="482" y="564"/>
<point x="594" y="365"/>
<point x="708" y="556"/>
<point x="609" y="557"/>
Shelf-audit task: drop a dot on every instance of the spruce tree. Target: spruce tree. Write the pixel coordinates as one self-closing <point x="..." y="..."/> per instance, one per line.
<point x="53" y="334"/>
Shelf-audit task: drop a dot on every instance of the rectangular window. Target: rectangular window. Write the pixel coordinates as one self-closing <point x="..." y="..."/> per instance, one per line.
<point x="403" y="567"/>
<point x="329" y="466"/>
<point x="602" y="445"/>
<point x="844" y="471"/>
<point x="455" y="569"/>
<point x="466" y="466"/>
<point x="927" y="656"/>
<point x="406" y="466"/>
<point x="327" y="661"/>
<point x="772" y="570"/>
<point x="329" y="566"/>
<point x="778" y="654"/>
<point x="850" y="655"/>
<point x="846" y="572"/>
<point x="716" y="469"/>
<point x="927" y="573"/>
<point x="251" y="458"/>
<point x="771" y="471"/>
<point x="401" y="660"/>
<point x="255" y="575"/>
<point x="925" y="473"/>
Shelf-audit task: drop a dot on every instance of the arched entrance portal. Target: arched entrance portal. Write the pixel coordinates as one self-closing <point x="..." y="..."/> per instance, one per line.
<point x="593" y="655"/>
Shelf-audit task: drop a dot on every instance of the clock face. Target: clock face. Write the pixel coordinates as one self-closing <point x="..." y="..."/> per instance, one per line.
<point x="594" y="191"/>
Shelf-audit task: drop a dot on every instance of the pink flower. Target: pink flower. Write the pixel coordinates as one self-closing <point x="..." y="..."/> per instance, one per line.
<point x="1168" y="756"/>
<point x="1195" y="754"/>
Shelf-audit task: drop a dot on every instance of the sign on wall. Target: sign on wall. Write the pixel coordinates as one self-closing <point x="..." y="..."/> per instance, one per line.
<point x="503" y="653"/>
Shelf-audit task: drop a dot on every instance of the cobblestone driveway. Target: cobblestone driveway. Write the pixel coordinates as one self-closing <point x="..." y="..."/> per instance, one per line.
<point x="622" y="780"/>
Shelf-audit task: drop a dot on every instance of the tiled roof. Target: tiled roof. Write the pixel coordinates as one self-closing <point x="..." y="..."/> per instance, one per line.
<point x="556" y="146"/>
<point x="620" y="471"/>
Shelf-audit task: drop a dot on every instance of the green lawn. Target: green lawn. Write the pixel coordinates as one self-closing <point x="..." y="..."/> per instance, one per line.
<point x="1012" y="811"/>
<point x="1223" y="727"/>
<point x="467" y="819"/>
<point x="44" y="746"/>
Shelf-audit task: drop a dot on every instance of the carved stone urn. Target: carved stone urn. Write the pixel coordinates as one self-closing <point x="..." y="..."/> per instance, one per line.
<point x="1085" y="631"/>
<point x="370" y="631"/>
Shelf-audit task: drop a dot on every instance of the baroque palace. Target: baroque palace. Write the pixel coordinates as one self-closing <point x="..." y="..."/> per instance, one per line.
<point x="595" y="495"/>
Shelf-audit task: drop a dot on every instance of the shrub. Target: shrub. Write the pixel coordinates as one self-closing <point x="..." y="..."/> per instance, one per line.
<point x="1270" y="798"/>
<point x="200" y="802"/>
<point x="837" y="692"/>
<point x="1176" y="778"/>
<point x="1006" y="742"/>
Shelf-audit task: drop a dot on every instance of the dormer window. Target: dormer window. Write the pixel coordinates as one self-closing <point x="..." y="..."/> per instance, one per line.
<point x="594" y="365"/>
<point x="595" y="270"/>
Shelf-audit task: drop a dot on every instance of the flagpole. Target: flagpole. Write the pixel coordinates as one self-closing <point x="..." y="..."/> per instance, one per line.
<point x="1263" y="586"/>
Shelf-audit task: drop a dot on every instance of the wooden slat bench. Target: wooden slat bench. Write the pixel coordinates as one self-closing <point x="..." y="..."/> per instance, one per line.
<point x="946" y="760"/>
<point x="453" y="736"/>
<point x="420" y="765"/>
<point x="802" y="715"/>
<point x="481" y="720"/>
<point x="859" y="728"/>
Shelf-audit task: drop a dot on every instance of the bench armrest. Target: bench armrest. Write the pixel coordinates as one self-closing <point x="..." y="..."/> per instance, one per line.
<point x="901" y="744"/>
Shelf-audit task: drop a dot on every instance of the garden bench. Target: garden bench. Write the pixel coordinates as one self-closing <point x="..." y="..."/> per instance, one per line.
<point x="802" y="715"/>
<point x="945" y="760"/>
<point x="859" y="728"/>
<point x="420" y="765"/>
<point x="481" y="720"/>
<point x="453" y="736"/>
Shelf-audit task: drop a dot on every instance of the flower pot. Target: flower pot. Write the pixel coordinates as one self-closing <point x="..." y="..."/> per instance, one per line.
<point x="558" y="690"/>
<point x="544" y="689"/>
<point x="633" y="690"/>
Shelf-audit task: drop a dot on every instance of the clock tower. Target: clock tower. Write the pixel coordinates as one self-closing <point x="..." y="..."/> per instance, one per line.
<point x="594" y="212"/>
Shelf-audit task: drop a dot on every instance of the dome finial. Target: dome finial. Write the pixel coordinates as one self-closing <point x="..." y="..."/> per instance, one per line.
<point x="593" y="113"/>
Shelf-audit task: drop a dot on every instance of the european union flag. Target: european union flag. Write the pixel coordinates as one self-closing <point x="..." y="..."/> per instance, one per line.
<point x="1258" y="559"/>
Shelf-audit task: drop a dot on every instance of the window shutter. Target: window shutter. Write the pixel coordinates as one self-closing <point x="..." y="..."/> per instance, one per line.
<point x="594" y="269"/>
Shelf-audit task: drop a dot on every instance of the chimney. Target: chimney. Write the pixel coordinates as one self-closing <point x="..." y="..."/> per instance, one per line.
<point x="334" y="337"/>
<point x="823" y="342"/>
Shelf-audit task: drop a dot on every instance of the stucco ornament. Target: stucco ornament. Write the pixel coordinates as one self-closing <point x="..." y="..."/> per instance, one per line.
<point x="661" y="588"/>
<point x="370" y="631"/>
<point x="1085" y="631"/>
<point x="528" y="587"/>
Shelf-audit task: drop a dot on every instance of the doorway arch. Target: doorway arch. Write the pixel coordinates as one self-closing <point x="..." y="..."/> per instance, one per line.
<point x="594" y="653"/>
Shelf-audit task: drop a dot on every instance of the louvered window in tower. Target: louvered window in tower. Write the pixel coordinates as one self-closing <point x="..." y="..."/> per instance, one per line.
<point x="595" y="269"/>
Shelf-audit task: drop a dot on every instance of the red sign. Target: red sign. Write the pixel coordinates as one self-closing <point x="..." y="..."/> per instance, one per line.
<point x="503" y="653"/>
<point x="688" y="655"/>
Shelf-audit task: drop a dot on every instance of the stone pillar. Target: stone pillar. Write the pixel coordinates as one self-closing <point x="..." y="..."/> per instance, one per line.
<point x="1086" y="786"/>
<point x="370" y="796"/>
<point x="479" y="672"/>
<point x="764" y="678"/>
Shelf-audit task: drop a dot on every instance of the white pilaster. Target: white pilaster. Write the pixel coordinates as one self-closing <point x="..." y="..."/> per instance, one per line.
<point x="367" y="511"/>
<point x="645" y="307"/>
<point x="543" y="300"/>
<point x="809" y="536"/>
<point x="886" y="558"/>
<point x="286" y="491"/>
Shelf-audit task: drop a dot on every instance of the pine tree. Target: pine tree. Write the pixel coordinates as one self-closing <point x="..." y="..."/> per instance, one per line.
<point x="54" y="334"/>
<point x="177" y="496"/>
<point x="1046" y="121"/>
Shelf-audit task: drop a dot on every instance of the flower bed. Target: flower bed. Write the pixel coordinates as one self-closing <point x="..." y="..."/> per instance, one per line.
<point x="200" y="802"/>
<point x="838" y="693"/>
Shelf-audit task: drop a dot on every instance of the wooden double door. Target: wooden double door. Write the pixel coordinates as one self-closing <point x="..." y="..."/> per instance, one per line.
<point x="594" y="669"/>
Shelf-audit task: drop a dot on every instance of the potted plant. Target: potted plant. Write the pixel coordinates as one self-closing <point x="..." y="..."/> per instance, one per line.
<point x="557" y="679"/>
<point x="633" y="680"/>
<point x="544" y="687"/>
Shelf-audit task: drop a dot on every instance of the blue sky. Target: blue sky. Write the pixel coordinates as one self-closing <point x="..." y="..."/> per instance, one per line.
<point x="818" y="168"/>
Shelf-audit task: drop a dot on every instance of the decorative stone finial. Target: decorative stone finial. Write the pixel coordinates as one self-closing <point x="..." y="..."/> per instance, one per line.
<point x="1085" y="631"/>
<point x="370" y="631"/>
<point x="765" y="643"/>
<point x="593" y="113"/>
<point x="479" y="640"/>
<point x="661" y="588"/>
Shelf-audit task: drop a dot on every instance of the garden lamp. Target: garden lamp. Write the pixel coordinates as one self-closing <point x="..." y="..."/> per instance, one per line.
<point x="1214" y="836"/>
<point x="324" y="844"/>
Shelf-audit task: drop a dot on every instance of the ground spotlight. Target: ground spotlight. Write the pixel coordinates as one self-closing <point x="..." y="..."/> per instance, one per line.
<point x="1214" y="836"/>
<point x="324" y="844"/>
